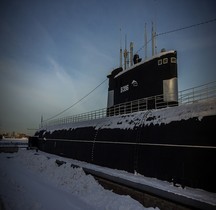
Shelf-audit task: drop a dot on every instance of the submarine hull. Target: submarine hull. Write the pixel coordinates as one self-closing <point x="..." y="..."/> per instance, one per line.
<point x="174" y="144"/>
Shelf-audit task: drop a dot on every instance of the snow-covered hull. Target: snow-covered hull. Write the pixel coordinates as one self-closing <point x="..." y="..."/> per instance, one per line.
<point x="174" y="144"/>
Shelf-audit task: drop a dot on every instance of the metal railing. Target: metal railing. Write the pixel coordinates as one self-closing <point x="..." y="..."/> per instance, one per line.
<point x="192" y="95"/>
<point x="198" y="93"/>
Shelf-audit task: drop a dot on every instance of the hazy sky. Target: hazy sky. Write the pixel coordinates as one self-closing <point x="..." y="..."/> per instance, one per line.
<point x="53" y="52"/>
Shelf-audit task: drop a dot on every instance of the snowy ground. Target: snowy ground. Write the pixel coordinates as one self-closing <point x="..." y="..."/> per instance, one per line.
<point x="30" y="180"/>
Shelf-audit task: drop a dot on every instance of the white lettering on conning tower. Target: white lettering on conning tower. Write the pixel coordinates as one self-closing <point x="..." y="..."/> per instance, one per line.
<point x="124" y="88"/>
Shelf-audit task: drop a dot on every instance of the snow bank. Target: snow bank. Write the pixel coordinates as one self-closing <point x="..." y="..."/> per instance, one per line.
<point x="192" y="193"/>
<point x="32" y="180"/>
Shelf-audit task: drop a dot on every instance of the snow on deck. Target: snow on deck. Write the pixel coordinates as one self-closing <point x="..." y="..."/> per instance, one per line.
<point x="167" y="115"/>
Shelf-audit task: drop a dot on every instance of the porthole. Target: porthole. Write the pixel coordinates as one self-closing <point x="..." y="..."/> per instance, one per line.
<point x="165" y="60"/>
<point x="159" y="62"/>
<point x="173" y="60"/>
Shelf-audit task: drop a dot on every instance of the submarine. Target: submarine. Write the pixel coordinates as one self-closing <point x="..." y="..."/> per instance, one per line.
<point x="148" y="126"/>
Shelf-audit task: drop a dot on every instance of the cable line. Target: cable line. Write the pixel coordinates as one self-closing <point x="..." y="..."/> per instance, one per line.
<point x="186" y="27"/>
<point x="76" y="102"/>
<point x="176" y="30"/>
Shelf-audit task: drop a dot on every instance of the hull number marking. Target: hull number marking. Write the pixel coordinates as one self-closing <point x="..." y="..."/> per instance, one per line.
<point x="124" y="88"/>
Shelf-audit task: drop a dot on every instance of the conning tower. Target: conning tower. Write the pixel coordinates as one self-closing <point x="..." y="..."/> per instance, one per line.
<point x="145" y="79"/>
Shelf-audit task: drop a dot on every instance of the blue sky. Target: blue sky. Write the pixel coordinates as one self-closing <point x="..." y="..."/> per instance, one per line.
<point x="53" y="52"/>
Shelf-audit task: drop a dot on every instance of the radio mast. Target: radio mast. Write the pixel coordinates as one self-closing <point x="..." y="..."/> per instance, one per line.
<point x="120" y="49"/>
<point x="125" y="53"/>
<point x="131" y="53"/>
<point x="153" y="40"/>
<point x="145" y="42"/>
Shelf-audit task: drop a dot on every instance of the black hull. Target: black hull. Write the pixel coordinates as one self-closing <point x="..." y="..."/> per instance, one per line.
<point x="181" y="151"/>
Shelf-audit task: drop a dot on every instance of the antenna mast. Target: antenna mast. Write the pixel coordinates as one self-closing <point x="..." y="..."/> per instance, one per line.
<point x="145" y="42"/>
<point x="153" y="40"/>
<point x="120" y="49"/>
<point x="125" y="53"/>
<point x="131" y="53"/>
<point x="153" y="44"/>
